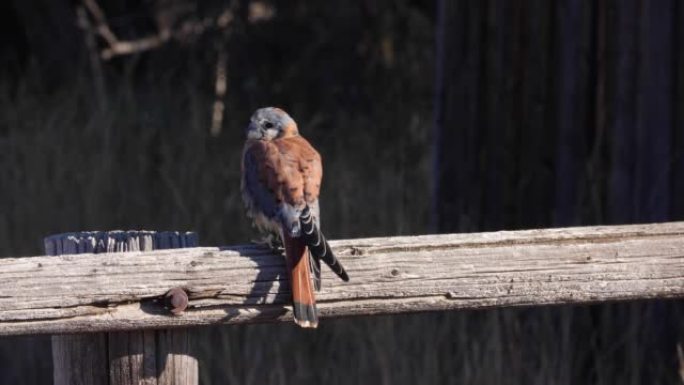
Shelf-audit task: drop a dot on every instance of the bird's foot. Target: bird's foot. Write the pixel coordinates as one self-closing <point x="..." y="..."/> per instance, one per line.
<point x="270" y="241"/>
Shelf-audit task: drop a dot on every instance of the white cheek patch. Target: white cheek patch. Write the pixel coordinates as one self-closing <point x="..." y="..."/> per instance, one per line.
<point x="272" y="133"/>
<point x="253" y="134"/>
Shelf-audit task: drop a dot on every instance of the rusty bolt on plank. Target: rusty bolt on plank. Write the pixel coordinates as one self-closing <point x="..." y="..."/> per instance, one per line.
<point x="176" y="300"/>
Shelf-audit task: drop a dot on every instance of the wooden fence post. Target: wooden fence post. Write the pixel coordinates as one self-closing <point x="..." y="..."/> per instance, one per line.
<point x="154" y="357"/>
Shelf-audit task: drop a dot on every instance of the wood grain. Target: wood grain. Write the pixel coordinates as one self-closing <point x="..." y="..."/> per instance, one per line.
<point x="120" y="291"/>
<point x="126" y="357"/>
<point x="80" y="359"/>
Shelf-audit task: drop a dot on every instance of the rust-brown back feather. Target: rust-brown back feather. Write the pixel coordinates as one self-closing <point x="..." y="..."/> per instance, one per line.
<point x="290" y="168"/>
<point x="303" y="160"/>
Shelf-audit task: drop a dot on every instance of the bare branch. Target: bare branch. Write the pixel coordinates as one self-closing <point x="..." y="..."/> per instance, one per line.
<point x="260" y="11"/>
<point x="133" y="46"/>
<point x="95" y="62"/>
<point x="101" y="25"/>
<point x="220" y="87"/>
<point x="188" y="29"/>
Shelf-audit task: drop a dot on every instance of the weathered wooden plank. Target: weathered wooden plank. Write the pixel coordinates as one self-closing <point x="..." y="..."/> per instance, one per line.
<point x="677" y="164"/>
<point x="178" y="368"/>
<point x="132" y="357"/>
<point x="457" y="117"/>
<point x="152" y="357"/>
<point x="533" y="188"/>
<point x="389" y="275"/>
<point x="573" y="36"/>
<point x="654" y="123"/>
<point x="623" y="118"/>
<point x="121" y="358"/>
<point x="80" y="360"/>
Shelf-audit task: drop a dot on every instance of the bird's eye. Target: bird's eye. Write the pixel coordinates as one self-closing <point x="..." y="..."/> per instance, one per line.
<point x="268" y="125"/>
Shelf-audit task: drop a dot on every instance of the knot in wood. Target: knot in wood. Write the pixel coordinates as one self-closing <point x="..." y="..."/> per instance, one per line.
<point x="176" y="300"/>
<point x="356" y="251"/>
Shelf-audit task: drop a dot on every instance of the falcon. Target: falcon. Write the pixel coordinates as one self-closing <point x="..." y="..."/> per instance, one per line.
<point x="281" y="180"/>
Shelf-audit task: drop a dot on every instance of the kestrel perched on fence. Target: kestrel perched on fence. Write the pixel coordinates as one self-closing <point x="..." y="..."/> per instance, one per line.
<point x="281" y="179"/>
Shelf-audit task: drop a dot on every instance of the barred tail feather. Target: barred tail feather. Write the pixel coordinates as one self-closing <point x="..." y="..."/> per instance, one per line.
<point x="315" y="271"/>
<point x="318" y="246"/>
<point x="303" y="299"/>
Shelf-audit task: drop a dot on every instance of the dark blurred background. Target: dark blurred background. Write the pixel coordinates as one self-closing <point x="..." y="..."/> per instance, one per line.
<point x="431" y="116"/>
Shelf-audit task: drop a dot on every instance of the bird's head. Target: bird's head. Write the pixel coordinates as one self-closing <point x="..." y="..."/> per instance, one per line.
<point x="270" y="123"/>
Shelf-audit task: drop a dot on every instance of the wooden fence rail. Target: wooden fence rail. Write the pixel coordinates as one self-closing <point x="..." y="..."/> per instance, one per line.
<point x="238" y="284"/>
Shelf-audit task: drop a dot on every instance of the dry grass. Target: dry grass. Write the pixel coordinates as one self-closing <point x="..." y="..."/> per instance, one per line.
<point x="68" y="166"/>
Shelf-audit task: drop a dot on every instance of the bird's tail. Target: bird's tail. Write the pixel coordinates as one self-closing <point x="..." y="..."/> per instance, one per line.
<point x="303" y="299"/>
<point x="318" y="246"/>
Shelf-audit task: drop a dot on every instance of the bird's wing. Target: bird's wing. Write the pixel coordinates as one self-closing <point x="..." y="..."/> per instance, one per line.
<point x="258" y="175"/>
<point x="307" y="162"/>
<point x="300" y="158"/>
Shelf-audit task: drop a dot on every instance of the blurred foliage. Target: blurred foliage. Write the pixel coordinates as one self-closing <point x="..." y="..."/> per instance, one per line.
<point x="147" y="159"/>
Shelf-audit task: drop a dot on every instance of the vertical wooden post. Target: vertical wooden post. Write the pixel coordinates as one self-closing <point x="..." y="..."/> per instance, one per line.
<point x="150" y="357"/>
